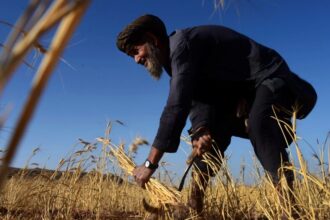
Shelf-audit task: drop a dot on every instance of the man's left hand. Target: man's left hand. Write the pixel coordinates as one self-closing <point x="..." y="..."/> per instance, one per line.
<point x="203" y="142"/>
<point x="142" y="175"/>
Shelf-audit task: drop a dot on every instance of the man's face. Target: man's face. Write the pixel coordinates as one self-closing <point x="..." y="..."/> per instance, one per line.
<point x="148" y="55"/>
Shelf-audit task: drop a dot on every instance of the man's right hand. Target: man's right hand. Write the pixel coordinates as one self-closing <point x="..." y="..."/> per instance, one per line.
<point x="202" y="142"/>
<point x="142" y="175"/>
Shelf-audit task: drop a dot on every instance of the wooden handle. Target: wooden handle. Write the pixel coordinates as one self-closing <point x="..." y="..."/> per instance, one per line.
<point x="192" y="156"/>
<point x="190" y="161"/>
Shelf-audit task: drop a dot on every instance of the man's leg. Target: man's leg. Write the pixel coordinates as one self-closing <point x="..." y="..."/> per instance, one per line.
<point x="224" y="125"/>
<point x="202" y="173"/>
<point x="268" y="139"/>
<point x="197" y="191"/>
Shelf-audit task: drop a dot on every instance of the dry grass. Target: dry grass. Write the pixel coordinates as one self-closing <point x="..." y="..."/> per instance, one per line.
<point x="70" y="192"/>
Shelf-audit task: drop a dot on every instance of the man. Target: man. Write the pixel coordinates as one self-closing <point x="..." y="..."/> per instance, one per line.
<point x="227" y="83"/>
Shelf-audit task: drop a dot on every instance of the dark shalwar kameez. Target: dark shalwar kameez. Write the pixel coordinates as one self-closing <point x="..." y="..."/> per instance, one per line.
<point x="212" y="68"/>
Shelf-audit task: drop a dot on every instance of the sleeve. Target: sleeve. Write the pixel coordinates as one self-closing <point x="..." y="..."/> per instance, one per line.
<point x="179" y="102"/>
<point x="201" y="115"/>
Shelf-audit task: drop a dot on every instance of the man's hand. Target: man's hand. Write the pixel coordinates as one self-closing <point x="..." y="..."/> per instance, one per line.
<point x="203" y="142"/>
<point x="142" y="175"/>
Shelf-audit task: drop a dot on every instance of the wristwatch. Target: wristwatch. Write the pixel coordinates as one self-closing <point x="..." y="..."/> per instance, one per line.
<point x="150" y="165"/>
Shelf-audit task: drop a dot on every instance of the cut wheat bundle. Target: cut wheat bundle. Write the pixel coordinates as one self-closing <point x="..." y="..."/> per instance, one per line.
<point x="159" y="193"/>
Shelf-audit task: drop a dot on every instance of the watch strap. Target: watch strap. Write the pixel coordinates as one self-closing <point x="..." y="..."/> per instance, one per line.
<point x="150" y="165"/>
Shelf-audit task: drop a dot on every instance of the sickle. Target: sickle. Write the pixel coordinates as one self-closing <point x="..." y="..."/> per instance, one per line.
<point x="191" y="159"/>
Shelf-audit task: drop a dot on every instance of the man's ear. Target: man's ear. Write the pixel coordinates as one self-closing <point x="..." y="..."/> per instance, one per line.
<point x="152" y="38"/>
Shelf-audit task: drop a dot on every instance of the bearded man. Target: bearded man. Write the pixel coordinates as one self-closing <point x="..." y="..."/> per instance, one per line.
<point x="228" y="84"/>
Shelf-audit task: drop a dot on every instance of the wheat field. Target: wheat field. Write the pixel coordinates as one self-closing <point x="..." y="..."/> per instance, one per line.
<point x="93" y="183"/>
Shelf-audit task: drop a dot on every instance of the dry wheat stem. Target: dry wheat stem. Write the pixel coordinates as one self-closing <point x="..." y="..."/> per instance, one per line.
<point x="14" y="35"/>
<point x="20" y="49"/>
<point x="54" y="14"/>
<point x="46" y="67"/>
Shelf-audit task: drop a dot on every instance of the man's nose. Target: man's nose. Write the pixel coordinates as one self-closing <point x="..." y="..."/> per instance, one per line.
<point x="139" y="59"/>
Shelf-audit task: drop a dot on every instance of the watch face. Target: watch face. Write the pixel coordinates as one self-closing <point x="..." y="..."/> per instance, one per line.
<point x="147" y="164"/>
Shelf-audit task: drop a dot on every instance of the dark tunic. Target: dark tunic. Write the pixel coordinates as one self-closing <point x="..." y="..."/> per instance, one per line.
<point x="206" y="61"/>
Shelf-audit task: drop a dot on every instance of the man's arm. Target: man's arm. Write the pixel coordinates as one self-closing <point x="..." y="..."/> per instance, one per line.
<point x="155" y="155"/>
<point x="202" y="142"/>
<point x="184" y="67"/>
<point x="173" y="117"/>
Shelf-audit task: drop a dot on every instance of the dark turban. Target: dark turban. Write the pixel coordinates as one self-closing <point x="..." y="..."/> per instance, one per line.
<point x="134" y="32"/>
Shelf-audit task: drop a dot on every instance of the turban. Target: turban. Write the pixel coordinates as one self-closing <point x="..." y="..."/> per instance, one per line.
<point x="134" y="32"/>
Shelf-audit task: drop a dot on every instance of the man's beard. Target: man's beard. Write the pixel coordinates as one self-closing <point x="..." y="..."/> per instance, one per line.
<point x="154" y="67"/>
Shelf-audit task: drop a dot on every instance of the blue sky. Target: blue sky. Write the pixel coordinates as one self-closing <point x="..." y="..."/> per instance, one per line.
<point x="104" y="84"/>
